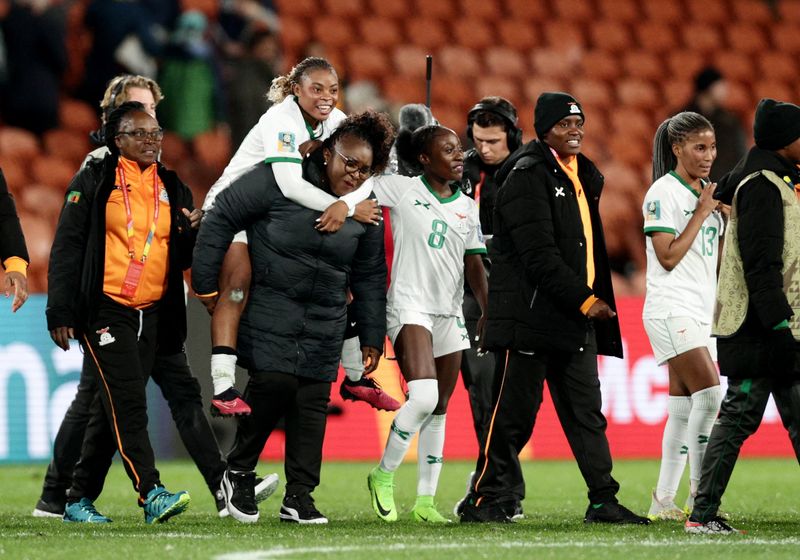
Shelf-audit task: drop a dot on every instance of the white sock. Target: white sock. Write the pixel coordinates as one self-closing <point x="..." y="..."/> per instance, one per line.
<point x="705" y="406"/>
<point x="423" y="394"/>
<point x="430" y="448"/>
<point x="351" y="359"/>
<point x="223" y="372"/>
<point x="673" y="447"/>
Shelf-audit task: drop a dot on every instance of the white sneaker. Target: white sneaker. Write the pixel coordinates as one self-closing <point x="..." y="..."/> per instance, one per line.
<point x="664" y="510"/>
<point x="460" y="503"/>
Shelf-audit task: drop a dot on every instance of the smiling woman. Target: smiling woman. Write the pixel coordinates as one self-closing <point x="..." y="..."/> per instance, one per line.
<point x="124" y="237"/>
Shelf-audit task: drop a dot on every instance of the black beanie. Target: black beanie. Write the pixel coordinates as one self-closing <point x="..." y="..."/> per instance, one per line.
<point x="777" y="124"/>
<point x="551" y="107"/>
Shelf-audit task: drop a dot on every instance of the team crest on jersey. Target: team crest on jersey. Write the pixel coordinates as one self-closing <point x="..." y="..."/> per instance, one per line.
<point x="653" y="210"/>
<point x="163" y="196"/>
<point x="286" y="142"/>
<point x="105" y="336"/>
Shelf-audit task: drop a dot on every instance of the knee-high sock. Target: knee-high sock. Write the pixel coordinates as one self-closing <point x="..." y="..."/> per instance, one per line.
<point x="674" y="447"/>
<point x="423" y="394"/>
<point x="430" y="449"/>
<point x="223" y="368"/>
<point x="705" y="406"/>
<point x="351" y="359"/>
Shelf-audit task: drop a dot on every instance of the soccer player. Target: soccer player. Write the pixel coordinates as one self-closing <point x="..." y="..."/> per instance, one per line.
<point x="683" y="229"/>
<point x="304" y="111"/>
<point x="437" y="241"/>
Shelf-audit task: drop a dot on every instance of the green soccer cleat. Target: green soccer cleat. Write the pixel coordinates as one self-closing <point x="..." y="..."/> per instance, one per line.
<point x="160" y="505"/>
<point x="381" y="489"/>
<point x="425" y="511"/>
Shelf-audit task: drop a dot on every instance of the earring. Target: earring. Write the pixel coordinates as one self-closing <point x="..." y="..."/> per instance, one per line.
<point x="325" y="162"/>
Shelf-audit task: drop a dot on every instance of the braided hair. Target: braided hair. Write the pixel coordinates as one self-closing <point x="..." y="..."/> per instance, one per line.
<point x="372" y="127"/>
<point x="281" y="86"/>
<point x="115" y="117"/>
<point x="410" y="145"/>
<point x="673" y="131"/>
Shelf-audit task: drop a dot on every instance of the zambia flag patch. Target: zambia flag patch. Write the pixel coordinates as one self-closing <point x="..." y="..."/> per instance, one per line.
<point x="73" y="197"/>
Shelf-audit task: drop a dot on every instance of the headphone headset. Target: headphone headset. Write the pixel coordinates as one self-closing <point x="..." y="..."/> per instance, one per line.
<point x="118" y="88"/>
<point x="513" y="132"/>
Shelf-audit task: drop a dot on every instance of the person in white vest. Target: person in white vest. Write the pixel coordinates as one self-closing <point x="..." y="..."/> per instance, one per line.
<point x="757" y="312"/>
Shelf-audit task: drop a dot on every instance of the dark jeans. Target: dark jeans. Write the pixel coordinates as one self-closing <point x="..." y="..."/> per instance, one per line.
<point x="303" y="403"/>
<point x="575" y="388"/>
<point x="182" y="393"/>
<point x="739" y="417"/>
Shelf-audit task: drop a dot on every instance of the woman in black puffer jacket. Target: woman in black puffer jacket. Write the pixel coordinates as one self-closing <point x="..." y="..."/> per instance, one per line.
<point x="291" y="332"/>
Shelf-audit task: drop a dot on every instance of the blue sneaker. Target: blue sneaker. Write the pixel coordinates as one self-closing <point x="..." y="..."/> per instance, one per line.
<point x="160" y="505"/>
<point x="83" y="512"/>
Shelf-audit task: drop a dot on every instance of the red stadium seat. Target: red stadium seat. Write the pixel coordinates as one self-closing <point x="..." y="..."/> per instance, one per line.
<point x="707" y="12"/>
<point x="611" y="35"/>
<point x="642" y="64"/>
<point x="294" y="33"/>
<point x="383" y="8"/>
<point x="664" y="13"/>
<point x="529" y="10"/>
<point x="735" y="65"/>
<point x="786" y="37"/>
<point x="747" y="38"/>
<point x="52" y="171"/>
<point x="778" y="65"/>
<point x="39" y="233"/>
<point x="633" y="123"/>
<point x="684" y="63"/>
<point x="346" y="8"/>
<point x="300" y="8"/>
<point x="574" y="10"/>
<point x="776" y="89"/>
<point x="409" y="60"/>
<point x="15" y="172"/>
<point x="503" y="86"/>
<point x="592" y="93"/>
<point x="564" y="35"/>
<point x="442" y="9"/>
<point x="457" y="91"/>
<point x="457" y="60"/>
<point x="18" y="144"/>
<point x="556" y="63"/>
<point x="620" y="10"/>
<point x="404" y="88"/>
<point x="77" y="115"/>
<point x="536" y="85"/>
<point x="753" y="11"/>
<point x="655" y="36"/>
<point x="600" y="65"/>
<point x="475" y="33"/>
<point x="173" y="150"/>
<point x="380" y="31"/>
<point x="365" y="62"/>
<point x="789" y="10"/>
<point x="69" y="145"/>
<point x="212" y="149"/>
<point x="41" y="200"/>
<point x="505" y="61"/>
<point x="426" y="32"/>
<point x="519" y="34"/>
<point x="677" y="93"/>
<point x="487" y="9"/>
<point x="634" y="92"/>
<point x="333" y="32"/>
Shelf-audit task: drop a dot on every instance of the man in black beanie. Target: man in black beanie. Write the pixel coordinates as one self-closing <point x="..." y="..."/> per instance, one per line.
<point x="551" y="311"/>
<point x="757" y="315"/>
<point x="710" y="95"/>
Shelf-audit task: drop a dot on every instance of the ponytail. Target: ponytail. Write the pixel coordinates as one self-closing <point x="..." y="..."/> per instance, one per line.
<point x="673" y="131"/>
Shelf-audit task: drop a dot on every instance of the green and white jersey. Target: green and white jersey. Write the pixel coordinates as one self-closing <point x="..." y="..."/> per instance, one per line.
<point x="275" y="138"/>
<point x="688" y="290"/>
<point x="431" y="237"/>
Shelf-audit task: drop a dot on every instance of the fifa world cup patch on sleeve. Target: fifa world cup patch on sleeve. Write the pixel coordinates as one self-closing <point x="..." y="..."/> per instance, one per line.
<point x="73" y="197"/>
<point x="286" y="142"/>
<point x="653" y="210"/>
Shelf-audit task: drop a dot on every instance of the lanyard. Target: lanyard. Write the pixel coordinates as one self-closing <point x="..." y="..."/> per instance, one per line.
<point x="129" y="216"/>
<point x="478" y="188"/>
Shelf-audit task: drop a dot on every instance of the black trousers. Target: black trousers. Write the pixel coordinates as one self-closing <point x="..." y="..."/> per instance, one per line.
<point x="479" y="372"/>
<point x="181" y="391"/>
<point x="303" y="403"/>
<point x="575" y="388"/>
<point x="739" y="417"/>
<point x="121" y="344"/>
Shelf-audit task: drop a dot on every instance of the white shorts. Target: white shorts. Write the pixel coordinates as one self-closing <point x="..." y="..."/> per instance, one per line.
<point x="449" y="332"/>
<point x="675" y="335"/>
<point x="240" y="237"/>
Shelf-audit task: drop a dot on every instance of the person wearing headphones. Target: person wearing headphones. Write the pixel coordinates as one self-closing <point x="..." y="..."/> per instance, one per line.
<point x="492" y="128"/>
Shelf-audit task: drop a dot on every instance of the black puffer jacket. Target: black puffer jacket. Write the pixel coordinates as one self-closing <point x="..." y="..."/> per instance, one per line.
<point x="12" y="242"/>
<point x="75" y="274"/>
<point x="749" y="351"/>
<point x="295" y="318"/>
<point x="538" y="255"/>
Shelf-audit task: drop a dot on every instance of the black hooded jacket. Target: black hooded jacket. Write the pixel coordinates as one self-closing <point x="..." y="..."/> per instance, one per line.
<point x="538" y="280"/>
<point x="295" y="317"/>
<point x="760" y="230"/>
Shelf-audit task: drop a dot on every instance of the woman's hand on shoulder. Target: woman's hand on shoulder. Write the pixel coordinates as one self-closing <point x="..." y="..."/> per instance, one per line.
<point x="368" y="212"/>
<point x="333" y="217"/>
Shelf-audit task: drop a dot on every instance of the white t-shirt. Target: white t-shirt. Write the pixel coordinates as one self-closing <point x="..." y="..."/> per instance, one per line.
<point x="276" y="139"/>
<point x="689" y="288"/>
<point x="431" y="237"/>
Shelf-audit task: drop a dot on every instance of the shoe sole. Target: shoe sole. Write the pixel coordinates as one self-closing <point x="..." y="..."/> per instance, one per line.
<point x="43" y="513"/>
<point x="217" y="413"/>
<point x="266" y="487"/>
<point x="227" y="491"/>
<point x="289" y="515"/>
<point x="391" y="516"/>
<point x="175" y="509"/>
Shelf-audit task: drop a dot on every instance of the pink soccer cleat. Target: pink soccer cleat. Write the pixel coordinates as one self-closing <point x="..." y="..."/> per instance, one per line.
<point x="367" y="390"/>
<point x="229" y="403"/>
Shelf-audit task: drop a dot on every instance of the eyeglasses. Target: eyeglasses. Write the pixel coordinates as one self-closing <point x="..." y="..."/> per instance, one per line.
<point x="351" y="166"/>
<point x="141" y="134"/>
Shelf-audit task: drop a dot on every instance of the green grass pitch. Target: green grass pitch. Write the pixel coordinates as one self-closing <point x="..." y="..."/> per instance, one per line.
<point x="763" y="499"/>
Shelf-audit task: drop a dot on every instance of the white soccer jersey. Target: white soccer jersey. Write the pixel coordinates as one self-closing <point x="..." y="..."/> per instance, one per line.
<point x="431" y="237"/>
<point x="275" y="138"/>
<point x="689" y="288"/>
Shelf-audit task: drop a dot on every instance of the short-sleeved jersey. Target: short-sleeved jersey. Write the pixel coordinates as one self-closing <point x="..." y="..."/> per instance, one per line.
<point x="276" y="137"/>
<point x="431" y="237"/>
<point x="689" y="288"/>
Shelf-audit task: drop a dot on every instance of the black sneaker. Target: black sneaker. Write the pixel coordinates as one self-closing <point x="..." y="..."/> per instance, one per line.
<point x="50" y="508"/>
<point x="487" y="513"/>
<point x="238" y="489"/>
<point x="301" y="509"/>
<point x="611" y="512"/>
